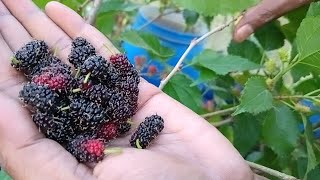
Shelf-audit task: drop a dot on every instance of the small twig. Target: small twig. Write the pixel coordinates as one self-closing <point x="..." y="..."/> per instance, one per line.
<point x="220" y="112"/>
<point x="224" y="122"/>
<point x="156" y="18"/>
<point x="80" y="8"/>
<point x="271" y="172"/>
<point x="92" y="16"/>
<point x="191" y="46"/>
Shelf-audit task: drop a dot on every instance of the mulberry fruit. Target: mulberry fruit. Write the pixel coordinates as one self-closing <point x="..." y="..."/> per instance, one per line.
<point x="87" y="115"/>
<point x="81" y="50"/>
<point x="108" y="131"/>
<point x="121" y="62"/>
<point x="56" y="126"/>
<point x="98" y="93"/>
<point x="123" y="128"/>
<point x="54" y="81"/>
<point x="147" y="131"/>
<point x="97" y="67"/>
<point x="30" y="55"/>
<point x="39" y="97"/>
<point x="86" y="149"/>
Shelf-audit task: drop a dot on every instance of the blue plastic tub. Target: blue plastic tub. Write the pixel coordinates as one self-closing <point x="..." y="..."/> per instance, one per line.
<point x="169" y="37"/>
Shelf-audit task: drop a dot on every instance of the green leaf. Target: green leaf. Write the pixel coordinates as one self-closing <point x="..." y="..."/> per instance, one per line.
<point x="308" y="43"/>
<point x="149" y="42"/>
<point x="314" y="174"/>
<point x="4" y="176"/>
<point x="179" y="88"/>
<point x="280" y="130"/>
<point x="118" y="5"/>
<point x="106" y="22"/>
<point x="246" y="132"/>
<point x="209" y="7"/>
<point x="221" y="64"/>
<point x="73" y="4"/>
<point x="205" y="76"/>
<point x="312" y="161"/>
<point x="247" y="49"/>
<point x="256" y="97"/>
<point x="295" y="17"/>
<point x="41" y="3"/>
<point x="314" y="9"/>
<point x="190" y="17"/>
<point x="270" y="36"/>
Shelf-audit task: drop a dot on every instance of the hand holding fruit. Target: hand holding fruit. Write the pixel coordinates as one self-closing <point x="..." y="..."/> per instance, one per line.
<point x="187" y="148"/>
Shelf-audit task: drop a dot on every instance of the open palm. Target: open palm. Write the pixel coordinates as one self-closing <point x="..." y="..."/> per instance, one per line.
<point x="188" y="147"/>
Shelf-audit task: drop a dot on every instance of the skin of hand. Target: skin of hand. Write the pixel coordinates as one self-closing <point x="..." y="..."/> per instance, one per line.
<point x="263" y="13"/>
<point x="188" y="147"/>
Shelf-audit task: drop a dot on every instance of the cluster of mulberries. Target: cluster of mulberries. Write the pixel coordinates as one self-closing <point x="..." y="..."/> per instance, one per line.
<point x="85" y="109"/>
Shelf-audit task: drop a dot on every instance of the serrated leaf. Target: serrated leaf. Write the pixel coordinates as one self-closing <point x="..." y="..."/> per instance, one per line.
<point x="222" y="64"/>
<point x="247" y="49"/>
<point x="210" y="8"/>
<point x="205" y="76"/>
<point x="256" y="97"/>
<point x="117" y="5"/>
<point x="4" y="176"/>
<point x="149" y="42"/>
<point x="246" y="132"/>
<point x="280" y="130"/>
<point x="270" y="36"/>
<point x="179" y="88"/>
<point x="314" y="9"/>
<point x="308" y="43"/>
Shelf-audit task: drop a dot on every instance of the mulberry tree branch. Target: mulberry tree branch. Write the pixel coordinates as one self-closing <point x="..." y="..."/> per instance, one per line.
<point x="93" y="14"/>
<point x="191" y="46"/>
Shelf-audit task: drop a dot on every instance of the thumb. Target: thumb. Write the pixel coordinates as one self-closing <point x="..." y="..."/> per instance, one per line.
<point x="263" y="13"/>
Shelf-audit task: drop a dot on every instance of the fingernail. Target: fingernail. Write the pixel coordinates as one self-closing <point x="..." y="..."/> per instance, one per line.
<point x="244" y="32"/>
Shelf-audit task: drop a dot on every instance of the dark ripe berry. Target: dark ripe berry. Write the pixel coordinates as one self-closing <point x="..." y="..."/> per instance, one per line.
<point x="123" y="127"/>
<point x="30" y="55"/>
<point x="81" y="49"/>
<point x="147" y="131"/>
<point x="98" y="93"/>
<point x="39" y="97"/>
<point x="108" y="131"/>
<point x="87" y="115"/>
<point x="56" y="126"/>
<point x="99" y="69"/>
<point x="55" y="81"/>
<point x="121" y="62"/>
<point x="86" y="148"/>
<point x="119" y="106"/>
<point x="52" y="64"/>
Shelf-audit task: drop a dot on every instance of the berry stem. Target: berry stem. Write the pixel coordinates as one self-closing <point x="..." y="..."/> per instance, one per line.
<point x="191" y="46"/>
<point x="78" y="73"/>
<point x="138" y="144"/>
<point x="76" y="90"/>
<point x="14" y="61"/>
<point x="65" y="108"/>
<point x="220" y="112"/>
<point x="130" y="121"/>
<point x="86" y="79"/>
<point x="114" y="150"/>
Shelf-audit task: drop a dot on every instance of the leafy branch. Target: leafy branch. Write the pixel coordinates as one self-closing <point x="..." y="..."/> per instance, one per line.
<point x="190" y="47"/>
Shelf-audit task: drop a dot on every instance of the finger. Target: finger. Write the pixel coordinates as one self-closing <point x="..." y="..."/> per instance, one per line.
<point x="264" y="12"/>
<point x="75" y="26"/>
<point x="39" y="25"/>
<point x="12" y="31"/>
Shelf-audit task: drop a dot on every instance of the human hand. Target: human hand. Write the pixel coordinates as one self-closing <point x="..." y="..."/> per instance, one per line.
<point x="188" y="147"/>
<point x="264" y="12"/>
